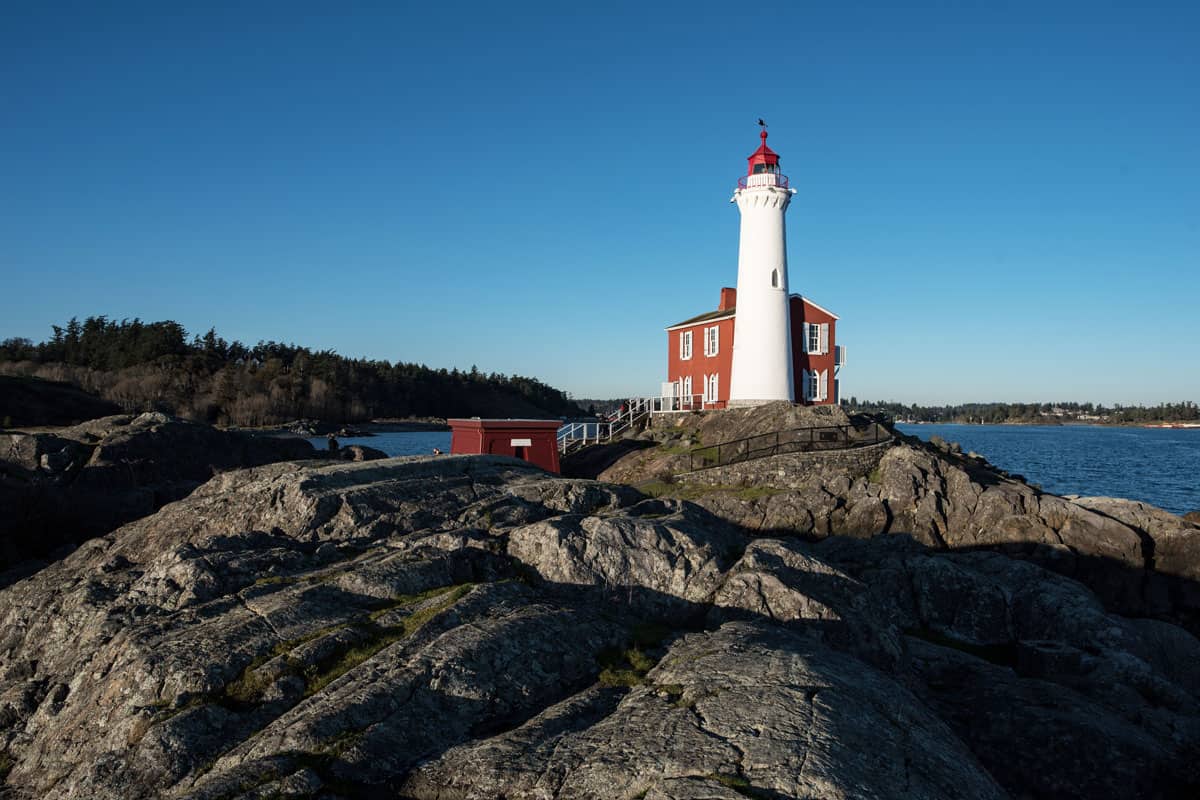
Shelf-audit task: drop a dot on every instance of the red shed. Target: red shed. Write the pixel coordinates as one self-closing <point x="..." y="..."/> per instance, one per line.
<point x="532" y="440"/>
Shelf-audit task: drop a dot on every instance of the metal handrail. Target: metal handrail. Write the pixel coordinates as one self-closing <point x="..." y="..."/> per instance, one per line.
<point x="796" y="440"/>
<point x="575" y="435"/>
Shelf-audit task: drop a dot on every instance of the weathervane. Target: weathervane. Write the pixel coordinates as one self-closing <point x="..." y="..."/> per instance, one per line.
<point x="761" y="123"/>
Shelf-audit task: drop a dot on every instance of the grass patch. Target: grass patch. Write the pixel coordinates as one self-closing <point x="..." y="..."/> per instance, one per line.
<point x="628" y="666"/>
<point x="412" y="599"/>
<point x="249" y="687"/>
<point x="675" y="692"/>
<point x="755" y="492"/>
<point x="276" y="580"/>
<point x="874" y="475"/>
<point x="320" y="677"/>
<point x="657" y="488"/>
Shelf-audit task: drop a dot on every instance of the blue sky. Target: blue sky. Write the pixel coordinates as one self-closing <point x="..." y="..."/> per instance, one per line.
<point x="1000" y="200"/>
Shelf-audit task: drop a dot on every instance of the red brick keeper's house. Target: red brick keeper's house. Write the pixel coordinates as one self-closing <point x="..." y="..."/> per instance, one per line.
<point x="700" y="354"/>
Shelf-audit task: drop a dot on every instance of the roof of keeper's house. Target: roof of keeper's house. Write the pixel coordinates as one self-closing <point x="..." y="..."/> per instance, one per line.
<point x="729" y="312"/>
<point x="708" y="317"/>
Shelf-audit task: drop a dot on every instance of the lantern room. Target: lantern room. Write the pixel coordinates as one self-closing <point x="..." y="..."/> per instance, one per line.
<point x="764" y="159"/>
<point x="763" y="168"/>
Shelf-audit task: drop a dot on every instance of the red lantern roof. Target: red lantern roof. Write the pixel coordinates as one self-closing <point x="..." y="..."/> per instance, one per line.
<point x="763" y="155"/>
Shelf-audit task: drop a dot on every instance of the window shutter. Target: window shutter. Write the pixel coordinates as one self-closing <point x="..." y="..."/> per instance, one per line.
<point x="824" y="385"/>
<point x="716" y="341"/>
<point x="715" y="394"/>
<point x="806" y="382"/>
<point x="806" y="326"/>
<point x="824" y="337"/>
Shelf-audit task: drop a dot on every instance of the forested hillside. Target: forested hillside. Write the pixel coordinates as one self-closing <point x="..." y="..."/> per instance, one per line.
<point x="153" y="365"/>
<point x="1031" y="413"/>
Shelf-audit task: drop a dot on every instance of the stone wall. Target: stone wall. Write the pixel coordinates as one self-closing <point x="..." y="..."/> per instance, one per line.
<point x="790" y="469"/>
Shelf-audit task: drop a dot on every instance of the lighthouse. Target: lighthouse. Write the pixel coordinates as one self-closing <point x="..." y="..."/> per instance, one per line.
<point x="762" y="341"/>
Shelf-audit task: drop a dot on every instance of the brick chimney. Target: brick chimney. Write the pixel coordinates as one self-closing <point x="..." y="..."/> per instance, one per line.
<point x="728" y="298"/>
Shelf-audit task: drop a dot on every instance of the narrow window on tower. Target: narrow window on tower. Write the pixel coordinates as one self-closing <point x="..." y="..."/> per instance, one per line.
<point x="774" y="279"/>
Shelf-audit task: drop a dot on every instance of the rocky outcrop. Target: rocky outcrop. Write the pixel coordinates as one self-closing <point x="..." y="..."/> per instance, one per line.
<point x="664" y="448"/>
<point x="1140" y="560"/>
<point x="356" y="452"/>
<point x="471" y="627"/>
<point x="61" y="487"/>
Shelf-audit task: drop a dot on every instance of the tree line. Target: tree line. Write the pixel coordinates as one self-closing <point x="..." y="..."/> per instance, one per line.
<point x="997" y="413"/>
<point x="155" y="366"/>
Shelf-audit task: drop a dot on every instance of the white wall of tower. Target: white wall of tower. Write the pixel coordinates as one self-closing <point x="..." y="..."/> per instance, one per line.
<point x="762" y="342"/>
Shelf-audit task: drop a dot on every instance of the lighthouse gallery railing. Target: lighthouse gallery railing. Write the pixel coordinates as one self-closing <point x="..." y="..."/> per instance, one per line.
<point x="763" y="179"/>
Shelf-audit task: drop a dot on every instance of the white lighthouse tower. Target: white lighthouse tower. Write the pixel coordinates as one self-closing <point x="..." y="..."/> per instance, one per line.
<point x="762" y="341"/>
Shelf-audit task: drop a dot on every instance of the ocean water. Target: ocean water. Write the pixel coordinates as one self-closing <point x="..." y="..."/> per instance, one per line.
<point x="395" y="443"/>
<point x="1160" y="466"/>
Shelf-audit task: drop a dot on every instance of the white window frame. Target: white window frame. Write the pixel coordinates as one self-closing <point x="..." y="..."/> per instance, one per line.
<point x="712" y="340"/>
<point x="814" y="383"/>
<point x="685" y="345"/>
<point x="713" y="387"/>
<point x="685" y="391"/>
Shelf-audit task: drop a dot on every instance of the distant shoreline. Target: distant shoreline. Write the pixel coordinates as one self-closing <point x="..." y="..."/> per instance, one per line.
<point x="1066" y="424"/>
<point x="353" y="430"/>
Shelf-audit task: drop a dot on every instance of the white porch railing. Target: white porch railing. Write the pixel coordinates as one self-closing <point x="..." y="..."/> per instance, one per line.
<point x="575" y="435"/>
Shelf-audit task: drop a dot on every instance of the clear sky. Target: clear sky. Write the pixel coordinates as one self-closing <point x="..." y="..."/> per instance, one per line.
<point x="1000" y="200"/>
